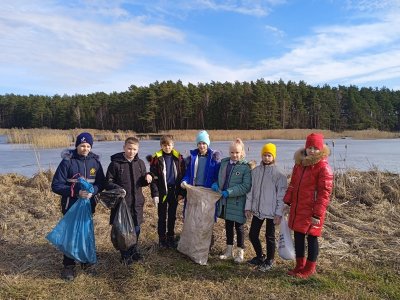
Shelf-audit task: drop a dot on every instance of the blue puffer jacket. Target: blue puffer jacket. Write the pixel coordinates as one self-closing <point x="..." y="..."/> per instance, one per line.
<point x="71" y="167"/>
<point x="211" y="169"/>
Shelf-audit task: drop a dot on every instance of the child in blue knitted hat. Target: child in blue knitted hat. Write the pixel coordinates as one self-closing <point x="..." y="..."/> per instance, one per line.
<point x="202" y="165"/>
<point x="80" y="162"/>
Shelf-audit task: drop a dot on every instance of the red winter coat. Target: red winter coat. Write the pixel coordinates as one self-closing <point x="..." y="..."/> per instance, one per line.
<point x="309" y="191"/>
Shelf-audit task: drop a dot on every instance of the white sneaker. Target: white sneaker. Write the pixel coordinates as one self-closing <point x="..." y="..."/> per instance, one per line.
<point x="228" y="253"/>
<point x="240" y="256"/>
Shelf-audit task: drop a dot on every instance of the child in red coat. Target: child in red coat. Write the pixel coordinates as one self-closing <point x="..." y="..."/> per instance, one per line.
<point x="307" y="199"/>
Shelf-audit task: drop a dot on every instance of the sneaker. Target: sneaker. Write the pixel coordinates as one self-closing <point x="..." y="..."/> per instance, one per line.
<point x="163" y="244"/>
<point x="256" y="260"/>
<point x="126" y="261"/>
<point x="68" y="273"/>
<point x="171" y="242"/>
<point x="89" y="269"/>
<point x="266" y="266"/>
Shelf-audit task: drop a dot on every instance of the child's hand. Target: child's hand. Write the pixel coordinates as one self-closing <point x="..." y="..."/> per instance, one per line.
<point x="85" y="194"/>
<point x="156" y="200"/>
<point x="215" y="187"/>
<point x="285" y="209"/>
<point x="225" y="194"/>
<point x="277" y="220"/>
<point x="248" y="214"/>
<point x="149" y="178"/>
<point x="183" y="185"/>
<point x="315" y="221"/>
<point x="180" y="198"/>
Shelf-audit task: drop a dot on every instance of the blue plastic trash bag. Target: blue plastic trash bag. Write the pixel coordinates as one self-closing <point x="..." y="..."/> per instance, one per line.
<point x="74" y="233"/>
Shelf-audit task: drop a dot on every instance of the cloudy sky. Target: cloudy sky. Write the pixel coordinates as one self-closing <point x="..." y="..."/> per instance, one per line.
<point x="71" y="47"/>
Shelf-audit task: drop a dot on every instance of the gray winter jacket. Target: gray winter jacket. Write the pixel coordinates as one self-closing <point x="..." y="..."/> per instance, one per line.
<point x="265" y="199"/>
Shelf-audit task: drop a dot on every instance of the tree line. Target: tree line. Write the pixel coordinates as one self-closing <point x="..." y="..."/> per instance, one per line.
<point x="240" y="105"/>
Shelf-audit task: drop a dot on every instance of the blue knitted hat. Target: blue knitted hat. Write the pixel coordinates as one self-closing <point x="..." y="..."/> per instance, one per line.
<point x="84" y="137"/>
<point x="203" y="136"/>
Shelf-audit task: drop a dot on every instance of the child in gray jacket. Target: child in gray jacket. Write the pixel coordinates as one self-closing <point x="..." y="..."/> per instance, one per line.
<point x="265" y="202"/>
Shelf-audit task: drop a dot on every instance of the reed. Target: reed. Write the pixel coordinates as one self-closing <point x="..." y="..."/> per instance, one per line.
<point x="56" y="138"/>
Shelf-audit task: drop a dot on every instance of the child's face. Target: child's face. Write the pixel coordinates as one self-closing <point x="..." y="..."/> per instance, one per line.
<point x="83" y="149"/>
<point x="267" y="158"/>
<point x="312" y="151"/>
<point x="131" y="150"/>
<point x="167" y="147"/>
<point x="235" y="152"/>
<point x="202" y="147"/>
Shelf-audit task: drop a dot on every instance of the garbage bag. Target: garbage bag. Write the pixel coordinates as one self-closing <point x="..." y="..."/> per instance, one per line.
<point x="197" y="229"/>
<point x="74" y="233"/>
<point x="111" y="198"/>
<point x="123" y="234"/>
<point x="285" y="247"/>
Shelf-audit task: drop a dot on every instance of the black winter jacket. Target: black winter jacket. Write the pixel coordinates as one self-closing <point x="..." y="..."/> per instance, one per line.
<point x="72" y="166"/>
<point x="131" y="177"/>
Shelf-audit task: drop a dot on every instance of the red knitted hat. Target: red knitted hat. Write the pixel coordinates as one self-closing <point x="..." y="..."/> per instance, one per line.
<point x="315" y="140"/>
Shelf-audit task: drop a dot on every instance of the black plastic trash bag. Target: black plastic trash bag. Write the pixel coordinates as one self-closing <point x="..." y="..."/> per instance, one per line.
<point x="123" y="234"/>
<point x="111" y="198"/>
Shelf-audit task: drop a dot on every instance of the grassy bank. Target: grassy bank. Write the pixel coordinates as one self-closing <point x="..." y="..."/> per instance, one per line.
<point x="51" y="138"/>
<point x="359" y="257"/>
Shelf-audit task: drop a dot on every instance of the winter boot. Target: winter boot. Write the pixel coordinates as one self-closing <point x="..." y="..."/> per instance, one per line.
<point x="300" y="263"/>
<point x="228" y="253"/>
<point x="240" y="256"/>
<point x="68" y="273"/>
<point x="171" y="242"/>
<point x="308" y="270"/>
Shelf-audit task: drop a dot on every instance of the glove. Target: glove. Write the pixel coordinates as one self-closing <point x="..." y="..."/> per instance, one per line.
<point x="215" y="187"/>
<point x="156" y="201"/>
<point x="225" y="194"/>
<point x="285" y="209"/>
<point x="183" y="185"/>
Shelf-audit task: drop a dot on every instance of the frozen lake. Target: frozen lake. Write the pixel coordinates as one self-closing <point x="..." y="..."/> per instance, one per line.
<point x="345" y="153"/>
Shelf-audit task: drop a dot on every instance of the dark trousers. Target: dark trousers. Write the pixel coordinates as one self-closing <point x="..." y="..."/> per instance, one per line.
<point x="239" y="233"/>
<point x="254" y="234"/>
<point x="299" y="246"/>
<point x="169" y="207"/>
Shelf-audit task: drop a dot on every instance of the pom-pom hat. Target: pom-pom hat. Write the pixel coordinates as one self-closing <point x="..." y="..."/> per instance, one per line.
<point x="203" y="136"/>
<point x="84" y="137"/>
<point x="270" y="148"/>
<point x="315" y="140"/>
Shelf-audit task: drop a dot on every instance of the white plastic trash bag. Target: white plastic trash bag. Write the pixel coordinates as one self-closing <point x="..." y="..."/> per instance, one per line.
<point x="197" y="229"/>
<point x="285" y="248"/>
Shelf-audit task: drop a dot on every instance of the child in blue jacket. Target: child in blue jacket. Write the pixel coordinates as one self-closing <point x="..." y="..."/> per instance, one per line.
<point x="80" y="162"/>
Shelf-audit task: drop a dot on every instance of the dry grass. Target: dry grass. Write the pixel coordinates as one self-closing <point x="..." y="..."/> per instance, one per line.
<point x="52" y="138"/>
<point x="359" y="255"/>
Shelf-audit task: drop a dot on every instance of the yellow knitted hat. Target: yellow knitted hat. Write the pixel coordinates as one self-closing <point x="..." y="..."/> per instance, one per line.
<point x="271" y="148"/>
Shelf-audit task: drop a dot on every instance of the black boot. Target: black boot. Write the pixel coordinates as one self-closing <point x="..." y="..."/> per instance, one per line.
<point x="68" y="273"/>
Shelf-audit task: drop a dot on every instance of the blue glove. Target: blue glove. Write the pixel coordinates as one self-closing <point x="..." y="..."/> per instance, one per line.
<point x="215" y="187"/>
<point x="225" y="194"/>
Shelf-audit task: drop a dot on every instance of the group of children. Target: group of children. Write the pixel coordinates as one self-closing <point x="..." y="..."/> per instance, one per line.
<point x="259" y="193"/>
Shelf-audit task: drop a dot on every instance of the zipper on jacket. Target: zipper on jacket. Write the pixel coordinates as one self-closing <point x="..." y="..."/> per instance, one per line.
<point x="297" y="200"/>
<point x="259" y="201"/>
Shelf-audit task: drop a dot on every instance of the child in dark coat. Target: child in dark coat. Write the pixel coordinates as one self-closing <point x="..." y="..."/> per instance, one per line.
<point x="127" y="171"/>
<point x="80" y="162"/>
<point x="167" y="167"/>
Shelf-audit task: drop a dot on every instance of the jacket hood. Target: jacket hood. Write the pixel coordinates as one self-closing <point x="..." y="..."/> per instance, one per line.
<point x="301" y="158"/>
<point x="119" y="157"/>
<point x="68" y="154"/>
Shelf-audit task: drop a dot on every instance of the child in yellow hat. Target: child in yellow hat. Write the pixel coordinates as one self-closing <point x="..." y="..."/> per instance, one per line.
<point x="265" y="202"/>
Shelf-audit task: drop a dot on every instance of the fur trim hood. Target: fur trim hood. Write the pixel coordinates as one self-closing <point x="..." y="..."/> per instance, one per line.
<point x="301" y="158"/>
<point x="68" y="154"/>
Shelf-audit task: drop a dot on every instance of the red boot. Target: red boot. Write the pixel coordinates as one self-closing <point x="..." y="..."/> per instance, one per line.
<point x="300" y="263"/>
<point x="308" y="270"/>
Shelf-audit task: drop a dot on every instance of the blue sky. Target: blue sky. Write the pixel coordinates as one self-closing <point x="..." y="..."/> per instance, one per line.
<point x="50" y="47"/>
